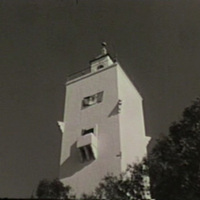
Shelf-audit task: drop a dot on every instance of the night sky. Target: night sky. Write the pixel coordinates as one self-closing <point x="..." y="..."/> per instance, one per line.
<point x="42" y="41"/>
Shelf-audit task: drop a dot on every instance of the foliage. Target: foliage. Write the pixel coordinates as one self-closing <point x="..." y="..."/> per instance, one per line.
<point x="175" y="160"/>
<point x="52" y="190"/>
<point x="128" y="186"/>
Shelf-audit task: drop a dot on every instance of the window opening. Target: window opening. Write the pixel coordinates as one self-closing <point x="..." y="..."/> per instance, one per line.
<point x="93" y="99"/>
<point x="99" y="97"/>
<point x="100" y="67"/>
<point x="86" y="153"/>
<point x="87" y="131"/>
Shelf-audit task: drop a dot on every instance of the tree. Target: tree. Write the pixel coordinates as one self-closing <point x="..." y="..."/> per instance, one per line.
<point x="175" y="160"/>
<point x="53" y="190"/>
<point x="129" y="185"/>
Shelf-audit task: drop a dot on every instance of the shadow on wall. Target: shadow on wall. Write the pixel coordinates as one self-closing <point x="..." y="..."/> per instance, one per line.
<point x="73" y="164"/>
<point x="115" y="111"/>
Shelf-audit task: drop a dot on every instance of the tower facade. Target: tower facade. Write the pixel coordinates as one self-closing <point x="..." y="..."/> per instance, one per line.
<point x="103" y="128"/>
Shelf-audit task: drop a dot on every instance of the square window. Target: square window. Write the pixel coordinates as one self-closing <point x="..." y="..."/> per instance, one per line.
<point x="93" y="99"/>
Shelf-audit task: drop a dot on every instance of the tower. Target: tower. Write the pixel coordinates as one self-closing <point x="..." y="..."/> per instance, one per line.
<point x="103" y="127"/>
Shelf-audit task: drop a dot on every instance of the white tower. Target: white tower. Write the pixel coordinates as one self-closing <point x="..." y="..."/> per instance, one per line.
<point x="103" y="128"/>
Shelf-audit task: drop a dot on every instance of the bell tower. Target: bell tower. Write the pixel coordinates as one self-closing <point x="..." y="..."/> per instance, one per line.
<point x="103" y="127"/>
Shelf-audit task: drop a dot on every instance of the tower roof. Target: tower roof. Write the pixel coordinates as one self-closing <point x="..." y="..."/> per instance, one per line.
<point x="102" y="61"/>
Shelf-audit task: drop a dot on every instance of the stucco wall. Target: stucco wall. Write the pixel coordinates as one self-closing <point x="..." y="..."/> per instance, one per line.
<point x="121" y="136"/>
<point x="132" y="129"/>
<point x="85" y="176"/>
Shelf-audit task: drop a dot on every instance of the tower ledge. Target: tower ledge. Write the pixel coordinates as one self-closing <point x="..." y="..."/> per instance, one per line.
<point x="99" y="63"/>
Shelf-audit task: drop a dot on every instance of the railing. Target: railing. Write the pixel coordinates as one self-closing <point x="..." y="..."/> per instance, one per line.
<point x="79" y="74"/>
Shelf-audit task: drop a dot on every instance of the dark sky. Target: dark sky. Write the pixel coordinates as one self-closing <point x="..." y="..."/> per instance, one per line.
<point x="156" y="42"/>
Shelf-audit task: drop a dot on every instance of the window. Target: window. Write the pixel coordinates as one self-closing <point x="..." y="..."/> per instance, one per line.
<point x="86" y="153"/>
<point x="88" y="101"/>
<point x="87" y="131"/>
<point x="93" y="99"/>
<point x="87" y="144"/>
<point x="100" y="67"/>
<point x="99" y="97"/>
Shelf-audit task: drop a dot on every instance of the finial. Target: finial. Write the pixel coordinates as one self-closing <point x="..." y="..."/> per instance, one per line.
<point x="103" y="50"/>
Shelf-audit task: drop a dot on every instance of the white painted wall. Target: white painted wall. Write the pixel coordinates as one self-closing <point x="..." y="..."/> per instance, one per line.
<point x="117" y="132"/>
<point x="132" y="129"/>
<point x="84" y="177"/>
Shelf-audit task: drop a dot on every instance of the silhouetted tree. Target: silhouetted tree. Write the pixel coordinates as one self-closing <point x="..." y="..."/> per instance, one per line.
<point x="175" y="160"/>
<point x="53" y="190"/>
<point x="128" y="186"/>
